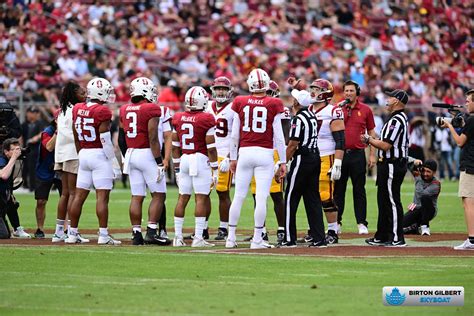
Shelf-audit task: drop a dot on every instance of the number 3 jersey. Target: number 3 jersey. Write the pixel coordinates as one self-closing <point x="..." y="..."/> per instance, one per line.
<point x="192" y="128"/>
<point x="325" y="116"/>
<point x="87" y="118"/>
<point x="224" y="117"/>
<point x="134" y="119"/>
<point x="256" y="116"/>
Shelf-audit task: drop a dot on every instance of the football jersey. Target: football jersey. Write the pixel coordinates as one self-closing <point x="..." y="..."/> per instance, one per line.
<point x="87" y="119"/>
<point x="165" y="124"/>
<point x="134" y="119"/>
<point x="256" y="119"/>
<point x="324" y="116"/>
<point x="224" y="119"/>
<point x="192" y="128"/>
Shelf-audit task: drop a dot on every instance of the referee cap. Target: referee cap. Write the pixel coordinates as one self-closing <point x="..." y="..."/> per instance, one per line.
<point x="303" y="97"/>
<point x="400" y="95"/>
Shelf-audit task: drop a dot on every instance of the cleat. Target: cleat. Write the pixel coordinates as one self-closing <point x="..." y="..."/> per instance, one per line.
<point x="332" y="238"/>
<point x="425" y="230"/>
<point x="108" y="240"/>
<point x="57" y="238"/>
<point x="20" y="233"/>
<point x="230" y="244"/>
<point x="137" y="239"/>
<point x="76" y="239"/>
<point x="205" y="234"/>
<point x="399" y="243"/>
<point x="39" y="234"/>
<point x="375" y="242"/>
<point x="151" y="238"/>
<point x="306" y="239"/>
<point x="264" y="237"/>
<point x="466" y="245"/>
<point x="164" y="234"/>
<point x="178" y="242"/>
<point x="260" y="245"/>
<point x="189" y="237"/>
<point x="201" y="243"/>
<point x="363" y="230"/>
<point x="287" y="244"/>
<point x="221" y="234"/>
<point x="318" y="244"/>
<point x="280" y="236"/>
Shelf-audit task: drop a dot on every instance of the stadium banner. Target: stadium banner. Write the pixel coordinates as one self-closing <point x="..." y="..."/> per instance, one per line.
<point x="423" y="296"/>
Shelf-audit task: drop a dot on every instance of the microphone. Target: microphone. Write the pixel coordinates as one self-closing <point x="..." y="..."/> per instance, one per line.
<point x="447" y="106"/>
<point x="344" y="103"/>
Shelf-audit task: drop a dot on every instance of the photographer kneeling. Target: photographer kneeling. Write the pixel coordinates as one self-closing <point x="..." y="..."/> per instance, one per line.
<point x="425" y="201"/>
<point x="466" y="166"/>
<point x="8" y="204"/>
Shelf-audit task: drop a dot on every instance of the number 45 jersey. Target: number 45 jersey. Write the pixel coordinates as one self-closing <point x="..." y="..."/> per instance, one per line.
<point x="134" y="119"/>
<point x="87" y="119"/>
<point x="224" y="118"/>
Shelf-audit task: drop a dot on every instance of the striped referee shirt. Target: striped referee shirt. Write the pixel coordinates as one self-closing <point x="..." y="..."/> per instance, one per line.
<point x="304" y="129"/>
<point x="395" y="132"/>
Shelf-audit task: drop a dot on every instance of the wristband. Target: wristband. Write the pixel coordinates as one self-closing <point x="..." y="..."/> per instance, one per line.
<point x="159" y="160"/>
<point x="176" y="160"/>
<point x="214" y="164"/>
<point x="176" y="170"/>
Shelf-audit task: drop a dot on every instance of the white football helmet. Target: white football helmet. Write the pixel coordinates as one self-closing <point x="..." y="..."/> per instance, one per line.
<point x="258" y="80"/>
<point x="100" y="89"/>
<point x="196" y="99"/>
<point x="144" y="87"/>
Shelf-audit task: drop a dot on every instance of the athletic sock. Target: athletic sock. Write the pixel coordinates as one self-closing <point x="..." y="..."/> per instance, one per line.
<point x="257" y="234"/>
<point x="231" y="235"/>
<point x="281" y="228"/>
<point x="72" y="231"/>
<point x="103" y="231"/>
<point x="223" y="225"/>
<point x="59" y="227"/>
<point x="200" y="226"/>
<point x="178" y="226"/>
<point x="152" y="225"/>
<point x="471" y="239"/>
<point x="137" y="228"/>
<point x="332" y="226"/>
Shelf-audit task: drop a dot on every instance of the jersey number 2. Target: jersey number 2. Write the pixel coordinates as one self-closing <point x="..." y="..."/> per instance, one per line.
<point x="82" y="125"/>
<point x="187" y="136"/>
<point x="258" y="118"/>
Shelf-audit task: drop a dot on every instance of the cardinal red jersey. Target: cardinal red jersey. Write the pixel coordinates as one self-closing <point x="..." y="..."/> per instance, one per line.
<point x="87" y="120"/>
<point x="134" y="119"/>
<point x="256" y="119"/>
<point x="192" y="128"/>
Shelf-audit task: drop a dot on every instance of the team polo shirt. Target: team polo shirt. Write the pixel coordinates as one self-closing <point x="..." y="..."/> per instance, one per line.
<point x="357" y="121"/>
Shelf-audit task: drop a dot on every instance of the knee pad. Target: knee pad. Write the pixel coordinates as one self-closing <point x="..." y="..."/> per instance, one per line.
<point x="329" y="206"/>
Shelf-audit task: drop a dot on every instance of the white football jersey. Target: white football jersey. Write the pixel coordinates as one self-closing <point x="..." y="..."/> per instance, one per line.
<point x="324" y="116"/>
<point x="224" y="118"/>
<point x="164" y="124"/>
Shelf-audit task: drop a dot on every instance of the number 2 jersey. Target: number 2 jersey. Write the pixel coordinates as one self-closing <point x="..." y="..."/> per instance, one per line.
<point x="325" y="116"/>
<point x="192" y="128"/>
<point x="87" y="118"/>
<point x="134" y="119"/>
<point x="256" y="116"/>
<point x="224" y="117"/>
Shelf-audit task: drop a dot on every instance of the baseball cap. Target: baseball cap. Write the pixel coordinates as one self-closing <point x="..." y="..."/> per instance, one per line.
<point x="302" y="96"/>
<point x="400" y="95"/>
<point x="431" y="164"/>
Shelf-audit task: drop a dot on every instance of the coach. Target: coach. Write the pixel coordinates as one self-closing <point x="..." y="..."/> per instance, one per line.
<point x="391" y="170"/>
<point x="358" y="119"/>
<point x="303" y="177"/>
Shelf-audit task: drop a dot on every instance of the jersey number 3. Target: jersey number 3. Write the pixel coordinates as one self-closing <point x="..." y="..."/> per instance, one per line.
<point x="258" y="118"/>
<point x="132" y="126"/>
<point x="85" y="124"/>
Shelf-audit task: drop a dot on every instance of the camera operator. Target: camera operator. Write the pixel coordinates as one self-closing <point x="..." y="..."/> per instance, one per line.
<point x="8" y="204"/>
<point x="425" y="200"/>
<point x="466" y="165"/>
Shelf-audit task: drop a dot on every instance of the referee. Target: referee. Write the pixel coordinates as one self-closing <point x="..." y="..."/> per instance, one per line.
<point x="303" y="177"/>
<point x="391" y="169"/>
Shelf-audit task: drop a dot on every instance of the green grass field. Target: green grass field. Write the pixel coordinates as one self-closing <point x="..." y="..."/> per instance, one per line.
<point x="50" y="280"/>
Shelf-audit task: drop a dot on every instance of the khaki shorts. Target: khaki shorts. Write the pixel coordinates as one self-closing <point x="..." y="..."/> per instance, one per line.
<point x="70" y="166"/>
<point x="466" y="185"/>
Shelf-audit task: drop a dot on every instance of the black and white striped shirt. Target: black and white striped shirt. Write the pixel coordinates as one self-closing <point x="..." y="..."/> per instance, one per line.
<point x="304" y="129"/>
<point x="395" y="132"/>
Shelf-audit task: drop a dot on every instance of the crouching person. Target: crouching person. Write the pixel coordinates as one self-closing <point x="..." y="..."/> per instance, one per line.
<point x="425" y="201"/>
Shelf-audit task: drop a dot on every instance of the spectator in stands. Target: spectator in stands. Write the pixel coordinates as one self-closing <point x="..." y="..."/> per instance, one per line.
<point x="443" y="138"/>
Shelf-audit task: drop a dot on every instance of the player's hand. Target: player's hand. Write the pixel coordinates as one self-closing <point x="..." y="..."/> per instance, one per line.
<point x="161" y="173"/>
<point x="336" y="170"/>
<point x="117" y="173"/>
<point x="281" y="173"/>
<point x="233" y="166"/>
<point x="224" y="166"/>
<point x="166" y="164"/>
<point x="417" y="162"/>
<point x="372" y="161"/>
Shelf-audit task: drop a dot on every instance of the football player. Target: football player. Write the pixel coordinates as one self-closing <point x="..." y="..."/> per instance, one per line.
<point x="98" y="165"/>
<point x="331" y="148"/>
<point x="276" y="189"/>
<point x="221" y="108"/>
<point x="195" y="162"/>
<point x="256" y="131"/>
<point x="143" y="162"/>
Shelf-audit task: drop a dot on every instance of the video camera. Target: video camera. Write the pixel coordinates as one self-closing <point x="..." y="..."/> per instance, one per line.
<point x="9" y="124"/>
<point x="455" y="110"/>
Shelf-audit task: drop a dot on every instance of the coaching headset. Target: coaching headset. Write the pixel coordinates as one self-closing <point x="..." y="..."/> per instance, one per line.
<point x="352" y="83"/>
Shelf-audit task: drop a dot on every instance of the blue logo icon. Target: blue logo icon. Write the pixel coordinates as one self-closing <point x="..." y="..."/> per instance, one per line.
<point x="395" y="298"/>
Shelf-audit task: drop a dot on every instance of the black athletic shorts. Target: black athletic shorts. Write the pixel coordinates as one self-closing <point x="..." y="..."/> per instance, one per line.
<point x="44" y="187"/>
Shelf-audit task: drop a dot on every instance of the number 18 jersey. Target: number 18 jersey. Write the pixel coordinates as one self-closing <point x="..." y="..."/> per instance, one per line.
<point x="87" y="119"/>
<point x="134" y="119"/>
<point x="224" y="118"/>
